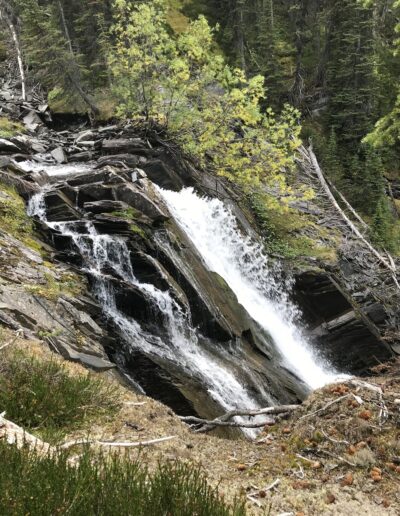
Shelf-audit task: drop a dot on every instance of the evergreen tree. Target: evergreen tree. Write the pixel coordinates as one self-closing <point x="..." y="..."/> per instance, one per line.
<point x="374" y="184"/>
<point x="332" y="162"/>
<point x="382" y="229"/>
<point x="351" y="78"/>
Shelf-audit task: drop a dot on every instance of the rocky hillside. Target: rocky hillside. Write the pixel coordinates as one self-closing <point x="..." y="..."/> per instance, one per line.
<point x="337" y="453"/>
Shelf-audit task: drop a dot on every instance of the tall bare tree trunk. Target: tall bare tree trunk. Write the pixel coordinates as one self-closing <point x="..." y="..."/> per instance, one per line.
<point x="7" y="14"/>
<point x="240" y="45"/>
<point x="15" y="38"/>
<point x="65" y="27"/>
<point x="388" y="262"/>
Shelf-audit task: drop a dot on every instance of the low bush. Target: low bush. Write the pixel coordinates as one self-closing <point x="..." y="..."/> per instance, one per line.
<point x="103" y="485"/>
<point x="39" y="393"/>
<point x="9" y="128"/>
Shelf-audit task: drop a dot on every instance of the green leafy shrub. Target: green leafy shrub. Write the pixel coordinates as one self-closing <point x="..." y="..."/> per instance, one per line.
<point x="40" y="393"/>
<point x="101" y="485"/>
<point x="181" y="84"/>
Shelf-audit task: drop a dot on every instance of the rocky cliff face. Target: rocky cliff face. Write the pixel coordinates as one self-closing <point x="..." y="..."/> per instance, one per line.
<point x="125" y="203"/>
<point x="106" y="178"/>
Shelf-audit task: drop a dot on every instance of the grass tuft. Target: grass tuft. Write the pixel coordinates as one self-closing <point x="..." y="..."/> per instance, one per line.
<point x="8" y="128"/>
<point x="40" y="394"/>
<point x="104" y="485"/>
<point x="68" y="284"/>
<point x="13" y="217"/>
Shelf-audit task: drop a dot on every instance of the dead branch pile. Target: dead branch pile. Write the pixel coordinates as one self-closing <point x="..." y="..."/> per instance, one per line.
<point x="203" y="425"/>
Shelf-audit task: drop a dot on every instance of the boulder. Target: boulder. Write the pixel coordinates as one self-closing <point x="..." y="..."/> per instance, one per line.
<point x="8" y="147"/>
<point x="105" y="206"/>
<point x="81" y="156"/>
<point x="108" y="224"/>
<point x="82" y="320"/>
<point x="92" y="362"/>
<point x="32" y="121"/>
<point x="141" y="201"/>
<point x="118" y="145"/>
<point x="98" y="176"/>
<point x="130" y="160"/>
<point x="59" y="207"/>
<point x="59" y="155"/>
<point x="162" y="175"/>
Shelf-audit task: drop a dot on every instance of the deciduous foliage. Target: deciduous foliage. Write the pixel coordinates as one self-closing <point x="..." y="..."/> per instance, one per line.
<point x="210" y="108"/>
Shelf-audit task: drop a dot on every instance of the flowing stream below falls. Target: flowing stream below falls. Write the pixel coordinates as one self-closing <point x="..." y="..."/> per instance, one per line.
<point x="222" y="248"/>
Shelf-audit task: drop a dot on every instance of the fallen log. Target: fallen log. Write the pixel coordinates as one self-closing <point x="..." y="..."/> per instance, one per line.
<point x="136" y="444"/>
<point x="17" y="435"/>
<point x="14" y="434"/>
<point x="224" y="420"/>
<point x="387" y="263"/>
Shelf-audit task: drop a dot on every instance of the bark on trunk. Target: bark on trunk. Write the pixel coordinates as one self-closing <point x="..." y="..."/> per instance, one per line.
<point x="7" y="14"/>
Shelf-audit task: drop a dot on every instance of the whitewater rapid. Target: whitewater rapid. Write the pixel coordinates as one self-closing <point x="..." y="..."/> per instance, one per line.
<point x="214" y="231"/>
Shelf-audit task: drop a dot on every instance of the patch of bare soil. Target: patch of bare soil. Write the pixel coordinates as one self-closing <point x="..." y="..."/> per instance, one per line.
<point x="339" y="454"/>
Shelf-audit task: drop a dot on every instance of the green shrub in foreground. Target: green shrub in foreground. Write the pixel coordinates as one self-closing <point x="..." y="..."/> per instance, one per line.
<point x="41" y="394"/>
<point x="100" y="485"/>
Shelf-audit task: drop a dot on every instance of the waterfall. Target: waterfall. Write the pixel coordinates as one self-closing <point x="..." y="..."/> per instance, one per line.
<point x="214" y="231"/>
<point x="180" y="346"/>
<point x="223" y="371"/>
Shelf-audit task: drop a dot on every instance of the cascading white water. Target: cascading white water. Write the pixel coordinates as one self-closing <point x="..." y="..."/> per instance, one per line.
<point x="241" y="262"/>
<point x="104" y="252"/>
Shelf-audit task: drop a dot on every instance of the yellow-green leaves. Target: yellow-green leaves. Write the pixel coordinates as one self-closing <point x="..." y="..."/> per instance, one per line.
<point x="213" y="111"/>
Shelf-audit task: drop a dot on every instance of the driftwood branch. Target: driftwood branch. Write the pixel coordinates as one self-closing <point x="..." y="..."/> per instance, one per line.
<point x="18" y="333"/>
<point x="257" y="494"/>
<point x="224" y="420"/>
<point x="325" y="406"/>
<point x="14" y="434"/>
<point x="136" y="444"/>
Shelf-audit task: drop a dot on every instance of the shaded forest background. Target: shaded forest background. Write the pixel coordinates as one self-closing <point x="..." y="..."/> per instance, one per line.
<point x="336" y="61"/>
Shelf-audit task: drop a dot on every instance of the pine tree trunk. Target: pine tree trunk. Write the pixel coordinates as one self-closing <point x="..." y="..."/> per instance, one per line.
<point x="65" y="27"/>
<point x="74" y="75"/>
<point x="240" y="34"/>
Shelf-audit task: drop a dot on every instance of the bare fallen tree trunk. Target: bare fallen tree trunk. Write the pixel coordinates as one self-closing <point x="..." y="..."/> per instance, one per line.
<point x="136" y="444"/>
<point x="348" y="205"/>
<point x="224" y="420"/>
<point x="7" y="14"/>
<point x="388" y="264"/>
<point x="14" y="434"/>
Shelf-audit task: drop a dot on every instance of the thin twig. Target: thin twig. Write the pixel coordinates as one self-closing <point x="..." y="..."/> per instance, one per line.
<point x="333" y="440"/>
<point x="337" y="457"/>
<point x="325" y="407"/>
